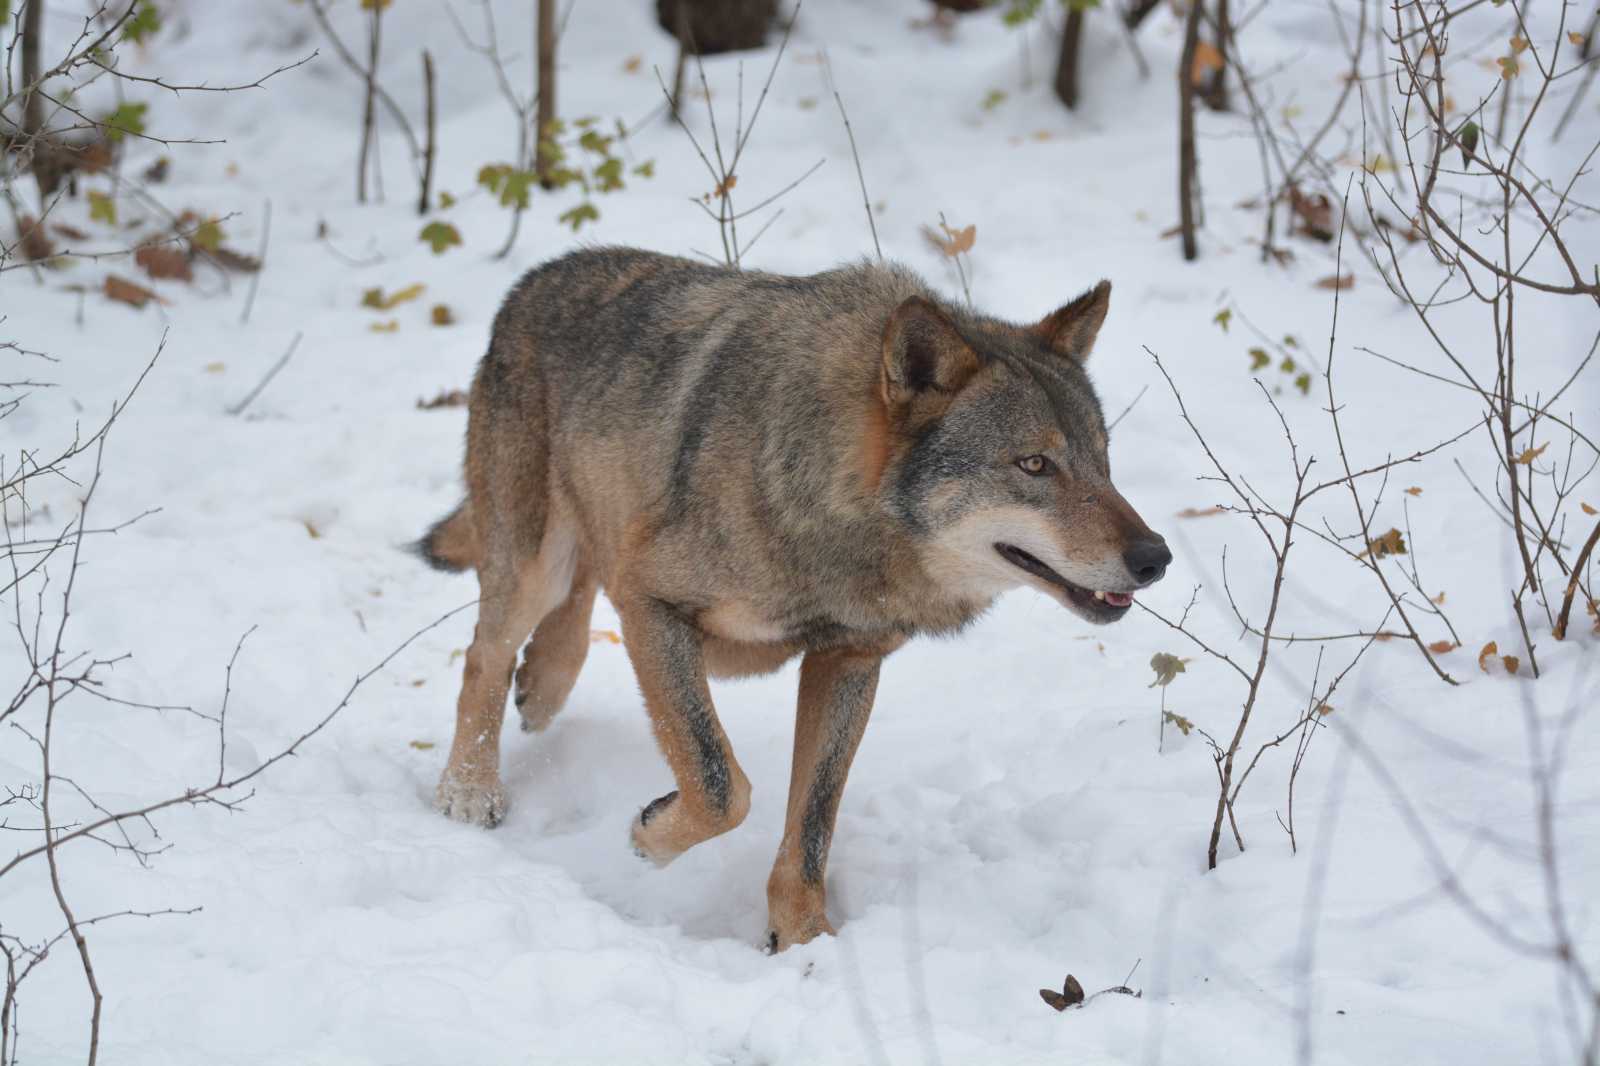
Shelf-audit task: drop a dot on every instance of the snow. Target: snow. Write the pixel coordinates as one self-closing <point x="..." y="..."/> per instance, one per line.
<point x="1009" y="818"/>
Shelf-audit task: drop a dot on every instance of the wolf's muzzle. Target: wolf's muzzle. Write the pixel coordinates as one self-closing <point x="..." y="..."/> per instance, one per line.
<point x="1147" y="559"/>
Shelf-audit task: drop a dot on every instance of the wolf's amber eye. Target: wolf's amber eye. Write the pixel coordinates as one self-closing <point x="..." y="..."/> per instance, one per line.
<point x="1033" y="464"/>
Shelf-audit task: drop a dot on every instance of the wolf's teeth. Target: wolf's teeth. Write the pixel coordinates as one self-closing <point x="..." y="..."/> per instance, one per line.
<point x="1101" y="596"/>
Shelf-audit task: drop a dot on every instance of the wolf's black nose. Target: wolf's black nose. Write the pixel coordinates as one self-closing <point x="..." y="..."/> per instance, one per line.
<point x="1147" y="559"/>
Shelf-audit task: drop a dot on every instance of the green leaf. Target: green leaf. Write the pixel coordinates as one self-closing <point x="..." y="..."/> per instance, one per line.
<point x="1019" y="12"/>
<point x="440" y="236"/>
<point x="993" y="99"/>
<point x="577" y="216"/>
<point x="446" y="201"/>
<point x="1259" y="358"/>
<point x="1287" y="366"/>
<point x="1289" y="341"/>
<point x="609" y="174"/>
<point x="102" y="208"/>
<point x="207" y="235"/>
<point x="145" y="21"/>
<point x="647" y="169"/>
<point x="1223" y="317"/>
<point x="1467" y="138"/>
<point x="594" y="141"/>
<point x="1183" y="724"/>
<point x="1166" y="667"/>
<point x="5" y="10"/>
<point x="511" y="185"/>
<point x="1080" y="6"/>
<point x="1303" y="383"/>
<point x="127" y="118"/>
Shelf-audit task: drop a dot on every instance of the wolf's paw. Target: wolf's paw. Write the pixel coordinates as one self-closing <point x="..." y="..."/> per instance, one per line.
<point x="648" y="839"/>
<point x="532" y="718"/>
<point x="479" y="802"/>
<point x="782" y="936"/>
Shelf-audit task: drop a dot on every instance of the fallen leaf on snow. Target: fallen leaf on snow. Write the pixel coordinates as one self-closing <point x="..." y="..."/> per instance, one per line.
<point x="1334" y="281"/>
<point x="163" y="261"/>
<point x="131" y="293"/>
<point x="1071" y="994"/>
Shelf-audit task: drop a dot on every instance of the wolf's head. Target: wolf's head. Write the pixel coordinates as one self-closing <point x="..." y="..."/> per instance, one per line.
<point x="1001" y="471"/>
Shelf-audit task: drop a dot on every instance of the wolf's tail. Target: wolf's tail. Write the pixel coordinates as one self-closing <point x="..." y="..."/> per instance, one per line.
<point x="452" y="543"/>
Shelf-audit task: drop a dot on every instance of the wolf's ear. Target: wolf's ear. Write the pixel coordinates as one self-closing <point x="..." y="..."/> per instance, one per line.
<point x="1071" y="329"/>
<point x="926" y="361"/>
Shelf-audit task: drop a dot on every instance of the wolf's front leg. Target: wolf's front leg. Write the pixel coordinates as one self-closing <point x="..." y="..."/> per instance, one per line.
<point x="836" y="692"/>
<point x="713" y="794"/>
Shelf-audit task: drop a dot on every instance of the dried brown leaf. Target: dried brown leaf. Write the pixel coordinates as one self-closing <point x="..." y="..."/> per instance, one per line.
<point x="446" y="398"/>
<point x="1490" y="650"/>
<point x="1335" y="281"/>
<point x="1390" y="543"/>
<point x="1201" y="512"/>
<point x="163" y="261"/>
<point x="1443" y="647"/>
<point x="34" y="241"/>
<point x="128" y="292"/>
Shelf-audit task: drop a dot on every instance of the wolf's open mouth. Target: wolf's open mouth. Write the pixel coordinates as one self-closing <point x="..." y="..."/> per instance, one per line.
<point x="1105" y="606"/>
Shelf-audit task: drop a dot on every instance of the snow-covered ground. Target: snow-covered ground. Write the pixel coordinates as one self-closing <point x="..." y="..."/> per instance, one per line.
<point x="1009" y="819"/>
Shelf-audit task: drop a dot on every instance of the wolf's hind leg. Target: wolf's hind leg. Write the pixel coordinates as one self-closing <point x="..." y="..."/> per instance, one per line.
<point x="516" y="594"/>
<point x="836" y="692"/>
<point x="551" y="662"/>
<point x="713" y="794"/>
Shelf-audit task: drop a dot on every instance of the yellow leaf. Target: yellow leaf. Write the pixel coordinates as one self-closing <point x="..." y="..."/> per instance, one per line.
<point x="1490" y="650"/>
<point x="1413" y="491"/>
<point x="632" y="64"/>
<point x="423" y="745"/>
<point x="1530" y="454"/>
<point x="1439" y="600"/>
<point x="1586" y="508"/>
<point x="1519" y="44"/>
<point x="375" y="298"/>
<point x="603" y="636"/>
<point x="441" y="315"/>
<point x="214" y="368"/>
<point x="1575" y="37"/>
<point x="391" y="326"/>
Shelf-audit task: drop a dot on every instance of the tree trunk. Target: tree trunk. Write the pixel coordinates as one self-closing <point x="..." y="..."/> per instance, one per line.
<point x="718" y="25"/>
<point x="1186" y="157"/>
<point x="1067" y="64"/>
<point x="544" y="163"/>
<point x="33" y="103"/>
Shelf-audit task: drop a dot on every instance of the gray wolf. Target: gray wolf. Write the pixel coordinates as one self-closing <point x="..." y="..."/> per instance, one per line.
<point x="754" y="468"/>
